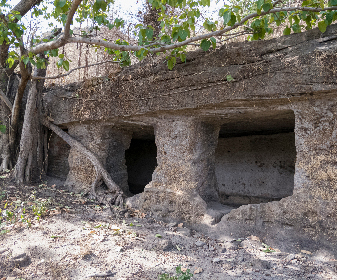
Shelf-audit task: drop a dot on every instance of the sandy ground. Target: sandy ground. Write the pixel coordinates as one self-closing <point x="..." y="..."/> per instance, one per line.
<point x="78" y="239"/>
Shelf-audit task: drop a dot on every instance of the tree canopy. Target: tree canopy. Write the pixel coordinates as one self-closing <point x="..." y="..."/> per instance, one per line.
<point x="177" y="20"/>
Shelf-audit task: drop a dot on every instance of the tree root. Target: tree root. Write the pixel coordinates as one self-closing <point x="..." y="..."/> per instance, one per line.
<point x="115" y="195"/>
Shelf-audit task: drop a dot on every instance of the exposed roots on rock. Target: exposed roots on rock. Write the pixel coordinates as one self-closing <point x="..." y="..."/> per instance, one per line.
<point x="115" y="195"/>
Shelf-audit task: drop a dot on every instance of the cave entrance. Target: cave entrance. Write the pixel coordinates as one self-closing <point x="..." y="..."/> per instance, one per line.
<point x="141" y="160"/>
<point x="255" y="158"/>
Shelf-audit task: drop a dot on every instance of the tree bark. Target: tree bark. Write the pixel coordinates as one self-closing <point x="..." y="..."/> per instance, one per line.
<point x="14" y="136"/>
<point x="30" y="162"/>
<point x="5" y="111"/>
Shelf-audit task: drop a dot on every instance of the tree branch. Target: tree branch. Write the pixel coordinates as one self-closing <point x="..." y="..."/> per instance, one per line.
<point x="100" y="170"/>
<point x="6" y="100"/>
<point x="64" y="38"/>
<point x="66" y="74"/>
<point x="114" y="46"/>
<point x="24" y="6"/>
<point x="90" y="41"/>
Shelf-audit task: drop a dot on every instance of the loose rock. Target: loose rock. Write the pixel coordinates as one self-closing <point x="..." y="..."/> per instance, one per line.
<point x="200" y="243"/>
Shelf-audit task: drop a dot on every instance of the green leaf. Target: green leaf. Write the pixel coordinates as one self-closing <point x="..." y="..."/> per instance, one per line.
<point x="25" y="60"/>
<point x="287" y="31"/>
<point x="171" y="62"/>
<point x="149" y="33"/>
<point x="333" y="2"/>
<point x="61" y="3"/>
<point x="322" y="26"/>
<point x="54" y="53"/>
<point x="182" y="34"/>
<point x="2" y="128"/>
<point x="267" y="6"/>
<point x="61" y="55"/>
<point x="205" y="44"/>
<point x="259" y="4"/>
<point x="158" y="235"/>
<point x="226" y="17"/>
<point x="58" y="64"/>
<point x="229" y="78"/>
<point x="213" y="40"/>
<point x="65" y="65"/>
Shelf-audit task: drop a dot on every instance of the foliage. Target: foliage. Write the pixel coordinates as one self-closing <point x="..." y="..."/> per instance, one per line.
<point x="258" y="18"/>
<point x="180" y="275"/>
<point x="267" y="249"/>
<point x="21" y="211"/>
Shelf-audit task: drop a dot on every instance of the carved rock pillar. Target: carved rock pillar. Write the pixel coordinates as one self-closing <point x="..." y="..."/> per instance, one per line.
<point x="108" y="144"/>
<point x="316" y="147"/>
<point x="185" y="176"/>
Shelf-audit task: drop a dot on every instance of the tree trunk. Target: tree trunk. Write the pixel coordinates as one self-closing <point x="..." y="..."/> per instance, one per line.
<point x="14" y="135"/>
<point x="30" y="163"/>
<point x="4" y="111"/>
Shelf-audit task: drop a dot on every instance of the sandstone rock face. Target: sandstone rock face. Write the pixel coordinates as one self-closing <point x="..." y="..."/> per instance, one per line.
<point x="257" y="168"/>
<point x="284" y="86"/>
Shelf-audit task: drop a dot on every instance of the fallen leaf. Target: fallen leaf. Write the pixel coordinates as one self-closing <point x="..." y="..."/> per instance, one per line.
<point x="180" y="225"/>
<point x="92" y="232"/>
<point x="184" y="269"/>
<point x="198" y="270"/>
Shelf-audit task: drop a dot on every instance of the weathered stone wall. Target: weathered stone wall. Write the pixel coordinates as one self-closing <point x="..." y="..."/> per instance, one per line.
<point x="307" y="219"/>
<point x="280" y="69"/>
<point x="254" y="169"/>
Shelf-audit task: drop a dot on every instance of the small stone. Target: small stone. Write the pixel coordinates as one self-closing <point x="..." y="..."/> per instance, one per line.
<point x="172" y="225"/>
<point x="254" y="238"/>
<point x="165" y="244"/>
<point x="3" y="250"/>
<point x="21" y="259"/>
<point x="223" y="250"/>
<point x="184" y="231"/>
<point x="200" y="243"/>
<point x="306" y="252"/>
<point x="216" y="260"/>
<point x="118" y="249"/>
<point x="211" y="248"/>
<point x="290" y="257"/>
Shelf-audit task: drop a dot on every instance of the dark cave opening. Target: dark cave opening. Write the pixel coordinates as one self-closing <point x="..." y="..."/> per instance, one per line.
<point x="141" y="160"/>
